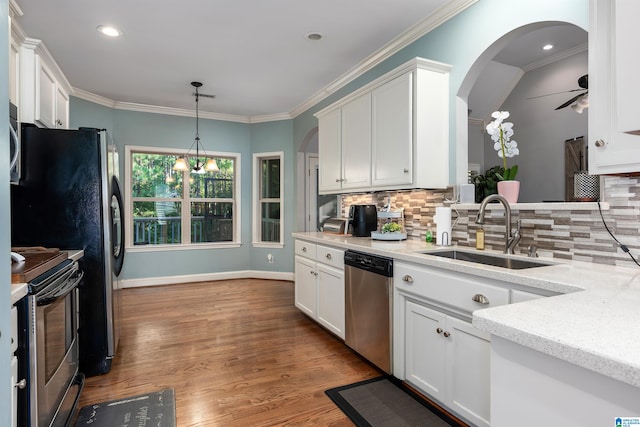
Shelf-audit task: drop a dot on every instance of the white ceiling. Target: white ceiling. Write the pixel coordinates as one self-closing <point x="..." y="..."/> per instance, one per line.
<point x="252" y="54"/>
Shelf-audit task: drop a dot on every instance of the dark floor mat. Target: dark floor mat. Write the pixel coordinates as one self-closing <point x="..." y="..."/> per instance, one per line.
<point x="156" y="409"/>
<point x="380" y="402"/>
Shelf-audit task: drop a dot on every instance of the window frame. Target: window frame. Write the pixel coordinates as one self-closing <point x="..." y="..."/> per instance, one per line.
<point x="185" y="202"/>
<point x="257" y="199"/>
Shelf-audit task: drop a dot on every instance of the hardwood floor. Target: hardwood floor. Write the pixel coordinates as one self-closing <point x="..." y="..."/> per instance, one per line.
<point x="236" y="352"/>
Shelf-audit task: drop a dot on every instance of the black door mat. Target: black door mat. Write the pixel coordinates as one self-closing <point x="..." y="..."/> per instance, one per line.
<point x="381" y="402"/>
<point x="157" y="409"/>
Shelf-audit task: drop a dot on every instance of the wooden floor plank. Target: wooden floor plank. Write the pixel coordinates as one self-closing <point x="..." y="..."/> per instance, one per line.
<point x="236" y="352"/>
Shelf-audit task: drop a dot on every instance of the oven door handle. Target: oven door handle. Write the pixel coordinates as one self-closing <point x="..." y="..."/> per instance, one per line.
<point x="72" y="283"/>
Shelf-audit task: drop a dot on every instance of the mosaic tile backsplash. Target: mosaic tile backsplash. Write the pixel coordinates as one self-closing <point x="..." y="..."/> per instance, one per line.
<point x="565" y="234"/>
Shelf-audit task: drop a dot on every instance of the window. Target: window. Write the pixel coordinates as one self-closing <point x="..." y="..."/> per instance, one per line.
<point x="180" y="209"/>
<point x="268" y="187"/>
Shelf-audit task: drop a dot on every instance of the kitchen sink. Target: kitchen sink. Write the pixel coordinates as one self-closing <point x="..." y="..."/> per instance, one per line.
<point x="487" y="259"/>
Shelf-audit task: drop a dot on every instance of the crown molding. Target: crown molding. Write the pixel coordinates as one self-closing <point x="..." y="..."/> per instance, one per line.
<point x="446" y="12"/>
<point x="423" y="27"/>
<point x="556" y="57"/>
<point x="155" y="109"/>
<point x="41" y="50"/>
<point x="14" y="9"/>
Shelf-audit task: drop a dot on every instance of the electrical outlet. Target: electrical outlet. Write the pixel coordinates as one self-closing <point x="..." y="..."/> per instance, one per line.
<point x="270" y="258"/>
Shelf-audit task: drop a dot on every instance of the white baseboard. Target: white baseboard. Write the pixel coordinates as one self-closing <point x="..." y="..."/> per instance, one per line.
<point x="190" y="278"/>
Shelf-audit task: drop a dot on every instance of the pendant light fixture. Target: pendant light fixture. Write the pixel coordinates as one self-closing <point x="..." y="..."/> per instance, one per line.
<point x="200" y="166"/>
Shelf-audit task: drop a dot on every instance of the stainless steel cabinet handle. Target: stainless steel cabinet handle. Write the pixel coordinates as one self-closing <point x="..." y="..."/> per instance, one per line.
<point x="338" y="179"/>
<point x="328" y="256"/>
<point x="406" y="170"/>
<point x="21" y="384"/>
<point x="439" y="330"/>
<point x="599" y="143"/>
<point x="407" y="278"/>
<point x="447" y="334"/>
<point x="479" y="298"/>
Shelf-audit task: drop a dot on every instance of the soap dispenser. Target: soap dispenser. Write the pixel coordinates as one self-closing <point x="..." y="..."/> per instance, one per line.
<point x="480" y="238"/>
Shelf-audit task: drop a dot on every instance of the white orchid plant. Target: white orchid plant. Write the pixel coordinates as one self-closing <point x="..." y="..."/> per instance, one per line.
<point x="501" y="133"/>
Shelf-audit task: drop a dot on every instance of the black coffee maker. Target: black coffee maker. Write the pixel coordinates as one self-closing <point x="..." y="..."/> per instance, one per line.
<point x="363" y="219"/>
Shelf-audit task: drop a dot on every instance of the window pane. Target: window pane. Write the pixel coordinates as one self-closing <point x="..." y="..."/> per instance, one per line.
<point x="152" y="175"/>
<point x="270" y="225"/>
<point x="211" y="222"/>
<point x="156" y="223"/>
<point x="270" y="178"/>
<point x="214" y="185"/>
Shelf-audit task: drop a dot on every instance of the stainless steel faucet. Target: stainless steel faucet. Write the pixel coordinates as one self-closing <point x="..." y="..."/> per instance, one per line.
<point x="511" y="239"/>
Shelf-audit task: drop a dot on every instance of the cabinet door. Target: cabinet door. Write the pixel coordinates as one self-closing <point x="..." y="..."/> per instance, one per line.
<point x="62" y="109"/>
<point x="627" y="39"/>
<point x="329" y="152"/>
<point x="610" y="149"/>
<point x="468" y="371"/>
<point x="45" y="95"/>
<point x="331" y="299"/>
<point x="392" y="134"/>
<point x="356" y="143"/>
<point x="14" y="72"/>
<point x="424" y="349"/>
<point x="305" y="286"/>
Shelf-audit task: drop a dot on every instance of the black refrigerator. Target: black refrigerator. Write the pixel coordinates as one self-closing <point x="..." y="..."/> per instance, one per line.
<point x="68" y="197"/>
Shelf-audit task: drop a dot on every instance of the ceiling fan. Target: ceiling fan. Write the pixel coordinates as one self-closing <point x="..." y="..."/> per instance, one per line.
<point x="583" y="82"/>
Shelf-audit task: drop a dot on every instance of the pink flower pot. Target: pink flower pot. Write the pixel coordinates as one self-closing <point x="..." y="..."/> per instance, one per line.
<point x="509" y="190"/>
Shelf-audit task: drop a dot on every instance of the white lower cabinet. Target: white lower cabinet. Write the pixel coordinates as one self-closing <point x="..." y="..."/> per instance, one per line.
<point x="448" y="359"/>
<point x="436" y="349"/>
<point x="319" y="284"/>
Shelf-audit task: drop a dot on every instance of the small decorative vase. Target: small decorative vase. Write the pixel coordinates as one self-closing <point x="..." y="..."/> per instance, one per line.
<point x="509" y="190"/>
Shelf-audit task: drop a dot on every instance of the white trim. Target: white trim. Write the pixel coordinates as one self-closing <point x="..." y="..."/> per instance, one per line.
<point x="267" y="245"/>
<point x="556" y="57"/>
<point x="448" y="11"/>
<point x="128" y="203"/>
<point x="409" y="66"/>
<point x="255" y="200"/>
<point x="205" y="277"/>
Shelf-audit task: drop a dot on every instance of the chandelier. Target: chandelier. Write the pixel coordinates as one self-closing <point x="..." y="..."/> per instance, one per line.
<point x="201" y="165"/>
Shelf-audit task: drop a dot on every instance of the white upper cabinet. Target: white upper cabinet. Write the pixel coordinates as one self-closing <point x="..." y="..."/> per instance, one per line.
<point x="394" y="132"/>
<point x="330" y="152"/>
<point x="614" y="115"/>
<point x="44" y="90"/>
<point x="356" y="143"/>
<point x="392" y="135"/>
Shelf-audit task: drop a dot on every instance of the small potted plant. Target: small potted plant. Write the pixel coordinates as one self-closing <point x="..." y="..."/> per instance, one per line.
<point x="501" y="133"/>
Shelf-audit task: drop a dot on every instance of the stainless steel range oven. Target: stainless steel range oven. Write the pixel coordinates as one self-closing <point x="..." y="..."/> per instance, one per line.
<point x="51" y="315"/>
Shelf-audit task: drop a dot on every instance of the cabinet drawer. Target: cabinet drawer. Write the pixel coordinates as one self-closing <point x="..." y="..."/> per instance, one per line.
<point x="330" y="256"/>
<point x="306" y="249"/>
<point x="453" y="289"/>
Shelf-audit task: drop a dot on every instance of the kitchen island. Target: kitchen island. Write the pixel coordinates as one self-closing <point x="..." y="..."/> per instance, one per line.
<point x="589" y="332"/>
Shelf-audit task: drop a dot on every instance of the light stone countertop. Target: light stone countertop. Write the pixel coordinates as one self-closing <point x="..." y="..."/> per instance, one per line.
<point x="594" y="324"/>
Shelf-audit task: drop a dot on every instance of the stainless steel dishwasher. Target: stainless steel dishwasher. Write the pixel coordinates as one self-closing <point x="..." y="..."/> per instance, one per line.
<point x="369" y="306"/>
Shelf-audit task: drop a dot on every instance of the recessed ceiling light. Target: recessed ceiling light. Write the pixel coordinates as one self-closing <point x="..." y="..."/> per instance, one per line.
<point x="547" y="47"/>
<point x="314" y="36"/>
<point x="108" y="30"/>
